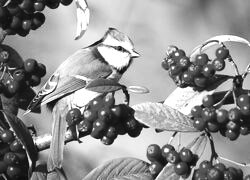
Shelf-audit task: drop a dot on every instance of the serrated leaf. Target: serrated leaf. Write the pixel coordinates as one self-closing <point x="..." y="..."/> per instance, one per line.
<point x="138" y="89"/>
<point x="121" y="169"/>
<point x="161" y="116"/>
<point x="168" y="173"/>
<point x="82" y="14"/>
<point x="24" y="136"/>
<point x="184" y="99"/>
<point x="219" y="39"/>
<point x="102" y="85"/>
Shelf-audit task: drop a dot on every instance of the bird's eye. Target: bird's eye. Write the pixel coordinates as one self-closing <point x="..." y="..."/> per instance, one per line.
<point x="120" y="48"/>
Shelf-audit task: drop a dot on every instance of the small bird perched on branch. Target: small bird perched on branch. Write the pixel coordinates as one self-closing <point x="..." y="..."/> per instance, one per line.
<point x="107" y="58"/>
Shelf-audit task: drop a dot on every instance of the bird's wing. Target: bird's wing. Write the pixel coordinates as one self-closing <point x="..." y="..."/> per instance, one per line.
<point x="71" y="76"/>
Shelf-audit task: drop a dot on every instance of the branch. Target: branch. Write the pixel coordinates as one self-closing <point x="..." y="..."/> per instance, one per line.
<point x="43" y="142"/>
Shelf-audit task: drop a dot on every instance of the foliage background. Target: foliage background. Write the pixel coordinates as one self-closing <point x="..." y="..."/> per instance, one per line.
<point x="152" y="25"/>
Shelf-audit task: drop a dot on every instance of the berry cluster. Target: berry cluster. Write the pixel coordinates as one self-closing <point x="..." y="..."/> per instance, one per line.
<point x="16" y="79"/>
<point x="13" y="158"/>
<point x="159" y="157"/>
<point x="217" y="171"/>
<point x="104" y="120"/>
<point x="21" y="16"/>
<point x="231" y="123"/>
<point x="197" y="73"/>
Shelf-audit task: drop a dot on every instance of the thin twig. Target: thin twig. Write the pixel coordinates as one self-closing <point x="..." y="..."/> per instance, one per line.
<point x="172" y="137"/>
<point x="233" y="162"/>
<point x="214" y="154"/>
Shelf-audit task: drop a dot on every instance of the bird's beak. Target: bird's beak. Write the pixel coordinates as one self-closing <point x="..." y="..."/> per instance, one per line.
<point x="135" y="54"/>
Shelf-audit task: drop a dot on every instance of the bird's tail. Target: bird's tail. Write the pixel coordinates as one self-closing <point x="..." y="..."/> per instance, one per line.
<point x="55" y="158"/>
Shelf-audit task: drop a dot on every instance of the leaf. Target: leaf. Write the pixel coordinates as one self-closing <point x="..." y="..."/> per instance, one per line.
<point x="82" y="14"/>
<point x="121" y="169"/>
<point x="218" y="39"/>
<point x="102" y="85"/>
<point x="40" y="172"/>
<point x="24" y="136"/>
<point x="168" y="173"/>
<point x="184" y="99"/>
<point x="138" y="89"/>
<point x="161" y="116"/>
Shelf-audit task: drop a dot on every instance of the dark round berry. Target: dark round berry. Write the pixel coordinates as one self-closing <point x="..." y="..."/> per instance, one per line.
<point x="120" y="128"/>
<point x="232" y="135"/>
<point x="22" y="156"/>
<point x="131" y="124"/>
<point x="184" y="62"/>
<point x="16" y="146"/>
<point x="245" y="110"/>
<point x="222" y="53"/>
<point x="26" y="5"/>
<point x="53" y="4"/>
<point x="38" y="20"/>
<point x="213" y="126"/>
<point x="244" y="130"/>
<point x="200" y="81"/>
<point x="16" y="22"/>
<point x="205" y="166"/>
<point x="195" y="70"/>
<point x="109" y="101"/>
<point x="208" y="70"/>
<point x="111" y="132"/>
<point x="13" y="87"/>
<point x="155" y="168"/>
<point x="222" y="116"/>
<point x="105" y="115"/>
<point x="34" y="80"/>
<point x="165" y="65"/>
<point x="181" y="168"/>
<point x="85" y="126"/>
<point x="199" y="124"/>
<point x="208" y="101"/>
<point x="201" y="59"/>
<point x="198" y="175"/>
<point x="187" y="77"/>
<point x="39" y="5"/>
<point x="96" y="103"/>
<point x="14" y="172"/>
<point x="208" y="114"/>
<point x="154" y="153"/>
<point x="178" y="54"/>
<point x="4" y="56"/>
<point x="90" y="115"/>
<point x="4" y="148"/>
<point x="220" y="166"/>
<point x="174" y="70"/>
<point x="219" y="64"/>
<point x="232" y="125"/>
<point x="13" y="8"/>
<point x="106" y="140"/>
<point x="243" y="100"/>
<point x="215" y="174"/>
<point x="234" y="114"/>
<point x="135" y="132"/>
<point x="173" y="157"/>
<point x="166" y="149"/>
<point x="239" y="173"/>
<point x="11" y="158"/>
<point x="30" y="65"/>
<point x="73" y="115"/>
<point x="196" y="111"/>
<point x="7" y="136"/>
<point x="26" y="24"/>
<point x="99" y="127"/>
<point x="66" y="2"/>
<point x="41" y="70"/>
<point x="19" y="75"/>
<point x="186" y="155"/>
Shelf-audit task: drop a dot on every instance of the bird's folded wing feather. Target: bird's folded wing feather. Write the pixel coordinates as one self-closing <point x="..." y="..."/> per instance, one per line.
<point x="67" y="78"/>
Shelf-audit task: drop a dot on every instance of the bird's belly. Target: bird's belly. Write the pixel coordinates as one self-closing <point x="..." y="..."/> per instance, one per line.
<point x="80" y="98"/>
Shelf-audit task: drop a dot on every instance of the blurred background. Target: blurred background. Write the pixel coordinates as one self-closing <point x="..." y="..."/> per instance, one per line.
<point x="152" y="25"/>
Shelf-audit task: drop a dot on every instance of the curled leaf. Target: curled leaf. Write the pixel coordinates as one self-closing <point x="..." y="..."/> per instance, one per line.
<point x="168" y="173"/>
<point x="102" y="85"/>
<point x="218" y="39"/>
<point x="138" y="89"/>
<point x="161" y="116"/>
<point x="184" y="99"/>
<point x="82" y="13"/>
<point x="24" y="136"/>
<point x="121" y="169"/>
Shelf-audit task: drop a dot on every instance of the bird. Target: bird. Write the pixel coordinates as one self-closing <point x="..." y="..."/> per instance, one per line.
<point x="107" y="58"/>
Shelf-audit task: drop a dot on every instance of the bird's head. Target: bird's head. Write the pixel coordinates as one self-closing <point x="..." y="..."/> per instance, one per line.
<point x="117" y="49"/>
